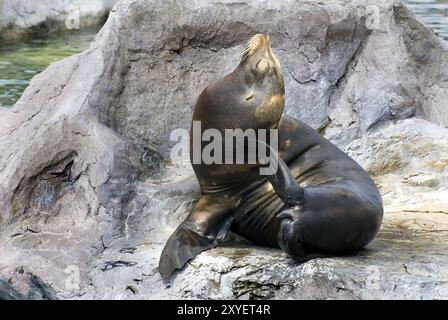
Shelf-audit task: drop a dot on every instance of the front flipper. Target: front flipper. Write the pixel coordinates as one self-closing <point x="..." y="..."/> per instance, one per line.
<point x="204" y="228"/>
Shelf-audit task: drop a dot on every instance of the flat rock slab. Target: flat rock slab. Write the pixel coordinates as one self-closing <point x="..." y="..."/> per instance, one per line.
<point x="401" y="263"/>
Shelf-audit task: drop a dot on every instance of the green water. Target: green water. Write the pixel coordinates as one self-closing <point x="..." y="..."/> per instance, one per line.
<point x="433" y="12"/>
<point x="20" y="61"/>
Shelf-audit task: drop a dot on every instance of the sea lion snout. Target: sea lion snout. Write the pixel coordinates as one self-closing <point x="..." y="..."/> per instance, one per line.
<point x="260" y="61"/>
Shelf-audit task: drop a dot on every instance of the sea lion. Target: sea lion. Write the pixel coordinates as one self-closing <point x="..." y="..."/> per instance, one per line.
<point x="318" y="202"/>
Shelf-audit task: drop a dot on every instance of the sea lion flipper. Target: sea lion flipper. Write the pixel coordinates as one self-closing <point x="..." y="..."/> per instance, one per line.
<point x="283" y="181"/>
<point x="285" y="185"/>
<point x="182" y="246"/>
<point x="205" y="227"/>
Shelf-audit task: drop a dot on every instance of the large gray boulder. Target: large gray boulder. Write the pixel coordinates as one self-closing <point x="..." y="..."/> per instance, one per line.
<point x="89" y="195"/>
<point x="19" y="18"/>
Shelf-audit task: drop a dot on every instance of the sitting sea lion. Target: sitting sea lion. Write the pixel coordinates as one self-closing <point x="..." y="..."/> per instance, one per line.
<point x="318" y="202"/>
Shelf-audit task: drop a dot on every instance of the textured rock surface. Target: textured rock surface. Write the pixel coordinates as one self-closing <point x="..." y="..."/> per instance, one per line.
<point x="88" y="195"/>
<point x="19" y="18"/>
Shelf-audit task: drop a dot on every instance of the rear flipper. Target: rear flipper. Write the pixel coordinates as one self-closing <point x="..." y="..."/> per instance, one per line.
<point x="282" y="180"/>
<point x="332" y="219"/>
<point x="323" y="220"/>
<point x="286" y="187"/>
<point x="205" y="227"/>
<point x="292" y="242"/>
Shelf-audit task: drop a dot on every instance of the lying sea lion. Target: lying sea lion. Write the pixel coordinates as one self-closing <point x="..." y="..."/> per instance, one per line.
<point x="318" y="202"/>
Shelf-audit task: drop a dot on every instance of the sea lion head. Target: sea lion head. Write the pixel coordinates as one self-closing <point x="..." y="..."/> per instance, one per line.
<point x="260" y="63"/>
<point x="251" y="96"/>
<point x="264" y="80"/>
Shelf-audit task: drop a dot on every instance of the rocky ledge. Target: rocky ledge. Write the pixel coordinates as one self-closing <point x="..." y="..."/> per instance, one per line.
<point x="88" y="194"/>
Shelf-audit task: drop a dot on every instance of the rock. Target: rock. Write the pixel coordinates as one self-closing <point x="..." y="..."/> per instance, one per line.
<point x="409" y="162"/>
<point x="89" y="194"/>
<point x="7" y="292"/>
<point x="393" y="76"/>
<point x="23" y="285"/>
<point x="20" y="18"/>
<point x="401" y="263"/>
